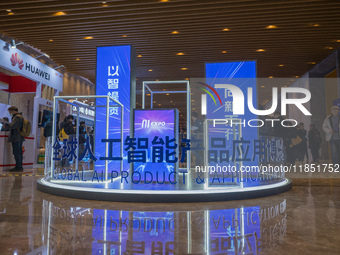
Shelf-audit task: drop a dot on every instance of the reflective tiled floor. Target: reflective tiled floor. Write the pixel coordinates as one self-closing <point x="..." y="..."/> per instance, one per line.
<point x="305" y="220"/>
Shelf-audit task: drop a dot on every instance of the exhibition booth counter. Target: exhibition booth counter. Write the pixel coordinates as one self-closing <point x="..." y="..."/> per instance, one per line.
<point x="29" y="85"/>
<point x="6" y="156"/>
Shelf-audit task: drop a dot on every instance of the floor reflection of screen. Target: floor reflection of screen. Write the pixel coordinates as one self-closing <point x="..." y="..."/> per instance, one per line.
<point x="232" y="231"/>
<point x="110" y="231"/>
<point x="151" y="129"/>
<point x="123" y="232"/>
<point x="154" y="232"/>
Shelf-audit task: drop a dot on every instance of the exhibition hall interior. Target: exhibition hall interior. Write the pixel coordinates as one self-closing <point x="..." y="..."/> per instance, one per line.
<point x="162" y="127"/>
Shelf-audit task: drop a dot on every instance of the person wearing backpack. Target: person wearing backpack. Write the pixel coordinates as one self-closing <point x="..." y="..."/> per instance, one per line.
<point x="315" y="140"/>
<point x="15" y="137"/>
<point x="67" y="130"/>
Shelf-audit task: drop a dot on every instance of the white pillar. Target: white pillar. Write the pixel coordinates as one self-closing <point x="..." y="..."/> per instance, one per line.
<point x="35" y="119"/>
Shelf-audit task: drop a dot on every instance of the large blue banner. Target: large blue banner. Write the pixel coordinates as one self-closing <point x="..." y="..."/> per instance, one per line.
<point x="115" y="76"/>
<point x="238" y="138"/>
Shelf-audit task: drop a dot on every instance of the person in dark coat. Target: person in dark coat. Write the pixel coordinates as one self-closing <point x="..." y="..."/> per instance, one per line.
<point x="314" y="138"/>
<point x="49" y="127"/>
<point x="302" y="149"/>
<point x="15" y="137"/>
<point x="82" y="137"/>
<point x="290" y="147"/>
<point x="67" y="125"/>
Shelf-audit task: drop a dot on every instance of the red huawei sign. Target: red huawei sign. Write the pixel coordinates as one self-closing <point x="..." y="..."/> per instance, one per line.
<point x="16" y="59"/>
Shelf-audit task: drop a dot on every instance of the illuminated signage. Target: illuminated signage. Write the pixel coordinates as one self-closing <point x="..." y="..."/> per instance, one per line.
<point x="31" y="68"/>
<point x="156" y="128"/>
<point x="115" y="77"/>
<point x="242" y="75"/>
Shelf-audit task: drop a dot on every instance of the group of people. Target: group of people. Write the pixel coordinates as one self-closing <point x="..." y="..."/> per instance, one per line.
<point x="331" y="127"/>
<point x="69" y="128"/>
<point x="296" y="139"/>
<point x="14" y="136"/>
<point x="297" y="142"/>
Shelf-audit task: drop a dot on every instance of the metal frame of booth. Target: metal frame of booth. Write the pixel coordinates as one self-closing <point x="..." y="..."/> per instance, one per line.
<point x="188" y="104"/>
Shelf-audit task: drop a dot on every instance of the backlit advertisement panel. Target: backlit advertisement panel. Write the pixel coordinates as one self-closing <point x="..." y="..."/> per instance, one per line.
<point x="155" y="131"/>
<point x="242" y="75"/>
<point x="115" y="77"/>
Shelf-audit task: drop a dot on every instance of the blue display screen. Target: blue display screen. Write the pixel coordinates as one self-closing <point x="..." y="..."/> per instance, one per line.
<point x="242" y="75"/>
<point x="114" y="77"/>
<point x="150" y="125"/>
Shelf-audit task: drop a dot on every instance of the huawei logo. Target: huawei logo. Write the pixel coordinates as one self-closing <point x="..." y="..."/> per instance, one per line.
<point x="16" y="59"/>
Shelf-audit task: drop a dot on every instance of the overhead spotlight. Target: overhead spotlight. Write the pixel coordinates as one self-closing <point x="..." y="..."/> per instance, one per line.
<point x="14" y="45"/>
<point x="44" y="54"/>
<point x="59" y="67"/>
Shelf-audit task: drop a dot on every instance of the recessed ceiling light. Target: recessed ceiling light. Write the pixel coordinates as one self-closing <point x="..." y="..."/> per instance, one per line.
<point x="263" y="86"/>
<point x="271" y="77"/>
<point x="296" y="76"/>
<point x="139" y="56"/>
<point x="150" y="70"/>
<point x="77" y="59"/>
<point x="311" y="63"/>
<point x="187" y="80"/>
<point x="50" y="40"/>
<point x="226" y="29"/>
<point x="315" y="25"/>
<point x="8" y="10"/>
<point x="180" y="54"/>
<point x="167" y="94"/>
<point x="281" y="65"/>
<point x="104" y="5"/>
<point x="174" y="32"/>
<point x="184" y="68"/>
<point x="124" y="35"/>
<point x="88" y="38"/>
<point x="337" y="40"/>
<point x="59" y="14"/>
<point x="224" y="51"/>
<point x="329" y="48"/>
<point x="103" y="2"/>
<point x="10" y="13"/>
<point x="260" y="50"/>
<point x="164" y="1"/>
<point x="271" y="26"/>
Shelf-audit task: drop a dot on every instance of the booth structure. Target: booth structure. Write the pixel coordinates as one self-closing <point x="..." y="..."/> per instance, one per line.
<point x="135" y="153"/>
<point x="29" y="85"/>
<point x="152" y="156"/>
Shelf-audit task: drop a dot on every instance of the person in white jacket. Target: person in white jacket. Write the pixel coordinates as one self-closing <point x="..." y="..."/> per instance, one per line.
<point x="331" y="127"/>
